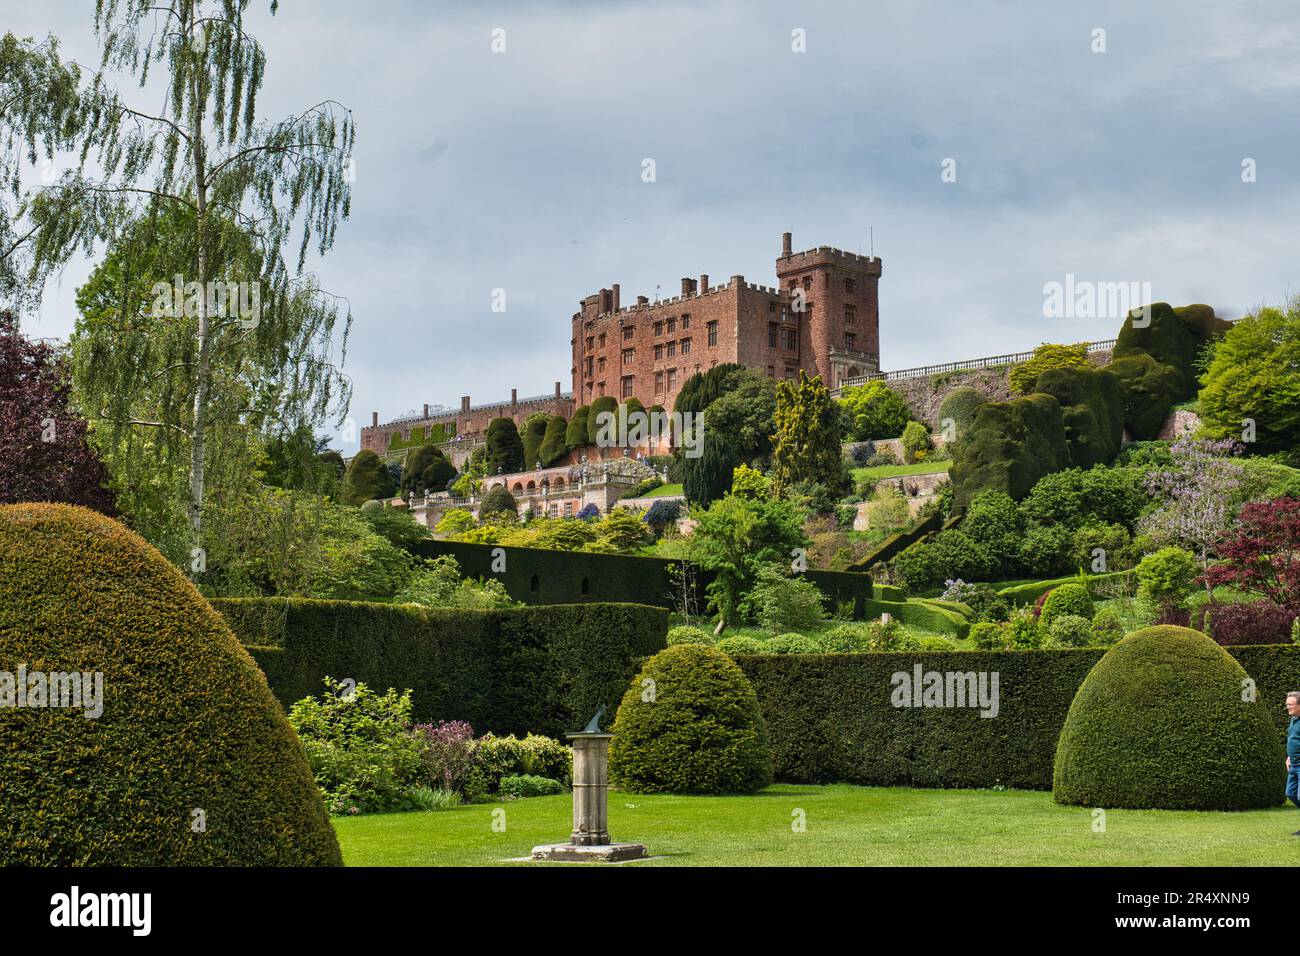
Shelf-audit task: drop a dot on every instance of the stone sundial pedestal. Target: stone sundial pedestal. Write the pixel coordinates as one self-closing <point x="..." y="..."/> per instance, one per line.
<point x="590" y="838"/>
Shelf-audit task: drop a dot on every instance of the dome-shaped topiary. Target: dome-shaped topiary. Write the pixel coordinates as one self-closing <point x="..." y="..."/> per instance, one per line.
<point x="739" y="644"/>
<point x="685" y="634"/>
<point x="188" y="732"/>
<point x="690" y="723"/>
<point x="792" y="643"/>
<point x="1065" y="599"/>
<point x="1160" y="723"/>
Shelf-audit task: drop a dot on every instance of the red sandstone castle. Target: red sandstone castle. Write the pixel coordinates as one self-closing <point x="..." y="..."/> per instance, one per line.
<point x="822" y="317"/>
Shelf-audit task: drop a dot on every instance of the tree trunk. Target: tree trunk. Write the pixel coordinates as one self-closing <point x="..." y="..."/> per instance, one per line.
<point x="198" y="445"/>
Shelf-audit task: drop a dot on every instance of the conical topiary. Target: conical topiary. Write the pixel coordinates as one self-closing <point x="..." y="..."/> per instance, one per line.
<point x="1167" y="720"/>
<point x="191" y="761"/>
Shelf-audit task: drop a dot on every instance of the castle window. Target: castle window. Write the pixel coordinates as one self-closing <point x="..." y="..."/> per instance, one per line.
<point x="659" y="352"/>
<point x="771" y="334"/>
<point x="713" y="332"/>
<point x="672" y="379"/>
<point x="600" y="364"/>
<point x="591" y="364"/>
<point x="850" y="313"/>
<point x="686" y="346"/>
<point x="794" y="283"/>
<point x="848" y="285"/>
<point x="686" y="321"/>
<point x="807" y="283"/>
<point x="672" y="326"/>
<point x="789" y="339"/>
<point x="628" y="356"/>
<point x="628" y="332"/>
<point x="672" y="349"/>
<point x="659" y="329"/>
<point x="600" y="388"/>
<point x="602" y="340"/>
<point x="771" y="372"/>
<point x="659" y="383"/>
<point x="591" y="343"/>
<point x="850" y="341"/>
<point x="627" y="386"/>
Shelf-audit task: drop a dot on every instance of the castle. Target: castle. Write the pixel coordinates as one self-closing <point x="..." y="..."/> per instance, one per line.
<point x="821" y="317"/>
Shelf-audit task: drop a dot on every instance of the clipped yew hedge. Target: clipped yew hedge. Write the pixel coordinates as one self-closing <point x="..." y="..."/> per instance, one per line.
<point x="830" y="719"/>
<point x="188" y="723"/>
<point x="519" y="670"/>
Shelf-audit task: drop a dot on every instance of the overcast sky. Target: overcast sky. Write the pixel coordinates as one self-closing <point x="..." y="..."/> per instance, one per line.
<point x="522" y="170"/>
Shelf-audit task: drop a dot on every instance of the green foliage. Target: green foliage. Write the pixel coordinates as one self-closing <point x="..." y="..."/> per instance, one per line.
<point x="739" y="644"/>
<point x="426" y="470"/>
<point x="519" y="786"/>
<point x="1161" y="723"/>
<point x="989" y="636"/>
<point x="707" y="478"/>
<point x="959" y="406"/>
<point x="438" y="583"/>
<point x="1167" y="575"/>
<point x="455" y="521"/>
<point x="505" y="449"/>
<point x="875" y="411"/>
<point x="1107" y="626"/>
<point x="532" y="434"/>
<point x="778" y="602"/>
<point x="735" y="538"/>
<point x="621" y="532"/>
<point x="511" y="670"/>
<point x="1255" y="376"/>
<point x="750" y="483"/>
<point x="684" y="634"/>
<point x="1008" y="448"/>
<point x="1047" y="357"/>
<point x="703" y="388"/>
<point x="846" y="639"/>
<point x="367" y="478"/>
<point x="497" y="501"/>
<point x="187" y="720"/>
<point x="575" y="434"/>
<point x="700" y="731"/>
<point x="1071" y="599"/>
<point x="1069" y="630"/>
<point x="496" y="759"/>
<point x="994" y="523"/>
<point x="359" y="746"/>
<point x="1023" y="629"/>
<point x="1075" y="497"/>
<point x="1092" y="411"/>
<point x="1150" y="391"/>
<point x="395" y="525"/>
<point x="792" y="643"/>
<point x="877" y="744"/>
<point x="806" y="443"/>
<point x="745" y="413"/>
<point x="916" y="442"/>
<point x="596" y="416"/>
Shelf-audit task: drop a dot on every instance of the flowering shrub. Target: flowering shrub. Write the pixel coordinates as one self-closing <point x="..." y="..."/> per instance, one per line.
<point x="1253" y="622"/>
<point x="446" y="751"/>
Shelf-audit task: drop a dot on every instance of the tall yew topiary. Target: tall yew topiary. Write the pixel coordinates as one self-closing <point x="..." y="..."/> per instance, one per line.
<point x="189" y="731"/>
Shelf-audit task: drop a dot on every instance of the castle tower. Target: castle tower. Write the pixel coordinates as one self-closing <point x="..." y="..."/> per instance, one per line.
<point x="840" y="320"/>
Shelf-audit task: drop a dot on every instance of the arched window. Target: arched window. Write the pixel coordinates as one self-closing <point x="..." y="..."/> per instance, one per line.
<point x="586" y="586"/>
<point x="534" y="584"/>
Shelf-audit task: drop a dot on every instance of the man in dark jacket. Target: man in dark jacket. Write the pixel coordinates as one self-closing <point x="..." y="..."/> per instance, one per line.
<point x="1293" y="750"/>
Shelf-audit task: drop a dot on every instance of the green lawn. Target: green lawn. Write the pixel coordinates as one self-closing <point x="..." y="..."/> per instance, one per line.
<point x="663" y="491"/>
<point x="896" y="471"/>
<point x="845" y="825"/>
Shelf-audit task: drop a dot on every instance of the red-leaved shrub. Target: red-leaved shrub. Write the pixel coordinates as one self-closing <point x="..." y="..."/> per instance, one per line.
<point x="1252" y="622"/>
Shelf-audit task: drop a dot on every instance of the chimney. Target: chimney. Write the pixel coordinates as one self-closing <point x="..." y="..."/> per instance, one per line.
<point x="688" y="286"/>
<point x="642" y="300"/>
<point x="374" y="419"/>
<point x="704" y="283"/>
<point x="557" y="389"/>
<point x="514" y="396"/>
<point x="464" y="403"/>
<point x="785" y="244"/>
<point x="615" y="296"/>
<point x="606" y="300"/>
<point x="426" y="409"/>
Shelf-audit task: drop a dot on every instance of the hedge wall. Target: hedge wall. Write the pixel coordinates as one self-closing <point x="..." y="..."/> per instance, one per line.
<point x="897" y="543"/>
<point x="536" y="669"/>
<point x="829" y="716"/>
<point x="1025" y="594"/>
<point x="539" y="576"/>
